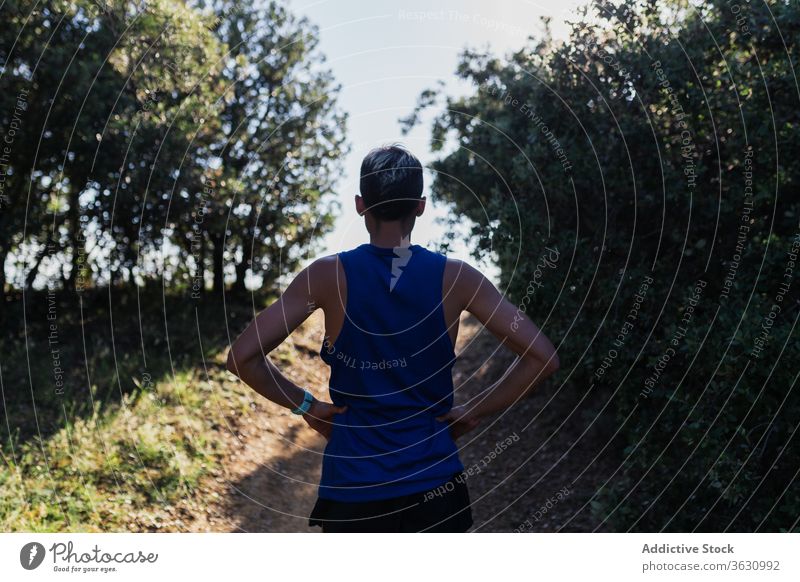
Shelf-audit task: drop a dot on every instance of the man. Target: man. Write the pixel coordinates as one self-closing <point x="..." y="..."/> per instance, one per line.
<point x="391" y="312"/>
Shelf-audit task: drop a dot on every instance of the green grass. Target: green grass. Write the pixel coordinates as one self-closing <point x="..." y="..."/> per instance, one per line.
<point x="122" y="460"/>
<point x="122" y="467"/>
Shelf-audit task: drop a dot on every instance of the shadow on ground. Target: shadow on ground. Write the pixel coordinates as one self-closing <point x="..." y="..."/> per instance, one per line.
<point x="534" y="468"/>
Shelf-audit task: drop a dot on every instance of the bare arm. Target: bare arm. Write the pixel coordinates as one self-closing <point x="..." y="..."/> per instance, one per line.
<point x="536" y="356"/>
<point x="248" y="357"/>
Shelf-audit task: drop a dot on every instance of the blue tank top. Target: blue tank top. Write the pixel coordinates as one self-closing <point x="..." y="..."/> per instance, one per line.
<point x="391" y="364"/>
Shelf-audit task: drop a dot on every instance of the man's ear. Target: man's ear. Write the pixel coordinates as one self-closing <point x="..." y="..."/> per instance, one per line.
<point x="420" y="206"/>
<point x="361" y="206"/>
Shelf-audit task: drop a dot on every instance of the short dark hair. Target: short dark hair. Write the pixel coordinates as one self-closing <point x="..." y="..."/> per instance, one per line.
<point x="391" y="182"/>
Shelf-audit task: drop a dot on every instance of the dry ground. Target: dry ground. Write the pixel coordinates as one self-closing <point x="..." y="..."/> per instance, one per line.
<point x="542" y="481"/>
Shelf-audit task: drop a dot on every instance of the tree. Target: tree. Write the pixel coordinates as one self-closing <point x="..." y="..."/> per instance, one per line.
<point x="632" y="147"/>
<point x="164" y="135"/>
<point x="280" y="147"/>
<point x="113" y="94"/>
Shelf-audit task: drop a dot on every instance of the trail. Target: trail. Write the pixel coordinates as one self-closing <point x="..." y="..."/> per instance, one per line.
<point x="527" y="470"/>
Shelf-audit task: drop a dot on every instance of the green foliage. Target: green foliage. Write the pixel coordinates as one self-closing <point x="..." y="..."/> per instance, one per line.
<point x="200" y="128"/>
<point x="658" y="141"/>
<point x="277" y="154"/>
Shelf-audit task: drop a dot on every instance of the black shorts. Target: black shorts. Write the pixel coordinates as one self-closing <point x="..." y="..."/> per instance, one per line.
<point x="445" y="508"/>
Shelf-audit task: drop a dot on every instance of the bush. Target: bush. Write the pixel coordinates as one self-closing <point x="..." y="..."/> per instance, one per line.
<point x="655" y="149"/>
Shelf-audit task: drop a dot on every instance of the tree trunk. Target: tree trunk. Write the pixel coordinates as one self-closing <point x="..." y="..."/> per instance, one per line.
<point x="241" y="274"/>
<point x="73" y="216"/>
<point x="201" y="267"/>
<point x="3" y="255"/>
<point x="217" y="258"/>
<point x="29" y="279"/>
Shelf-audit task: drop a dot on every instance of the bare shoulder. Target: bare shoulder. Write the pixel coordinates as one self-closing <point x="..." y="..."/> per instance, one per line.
<point x="324" y="276"/>
<point x="462" y="273"/>
<point x="324" y="266"/>
<point x="462" y="281"/>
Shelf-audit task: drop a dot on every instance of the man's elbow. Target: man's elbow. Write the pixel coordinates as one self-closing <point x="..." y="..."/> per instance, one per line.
<point x="542" y="366"/>
<point x="231" y="363"/>
<point x="552" y="364"/>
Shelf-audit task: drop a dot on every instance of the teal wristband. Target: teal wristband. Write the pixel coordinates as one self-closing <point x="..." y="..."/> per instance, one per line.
<point x="308" y="398"/>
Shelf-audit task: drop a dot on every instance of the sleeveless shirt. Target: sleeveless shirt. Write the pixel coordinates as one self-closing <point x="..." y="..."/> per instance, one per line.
<point x="391" y="365"/>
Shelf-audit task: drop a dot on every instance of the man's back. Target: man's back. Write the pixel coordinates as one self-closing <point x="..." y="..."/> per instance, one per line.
<point x="391" y="362"/>
<point x="460" y="286"/>
<point x="391" y="317"/>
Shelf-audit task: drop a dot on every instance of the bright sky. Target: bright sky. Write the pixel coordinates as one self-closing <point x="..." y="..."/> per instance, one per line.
<point x="385" y="53"/>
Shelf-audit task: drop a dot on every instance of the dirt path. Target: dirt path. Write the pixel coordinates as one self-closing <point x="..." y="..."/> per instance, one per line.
<point x="526" y="470"/>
